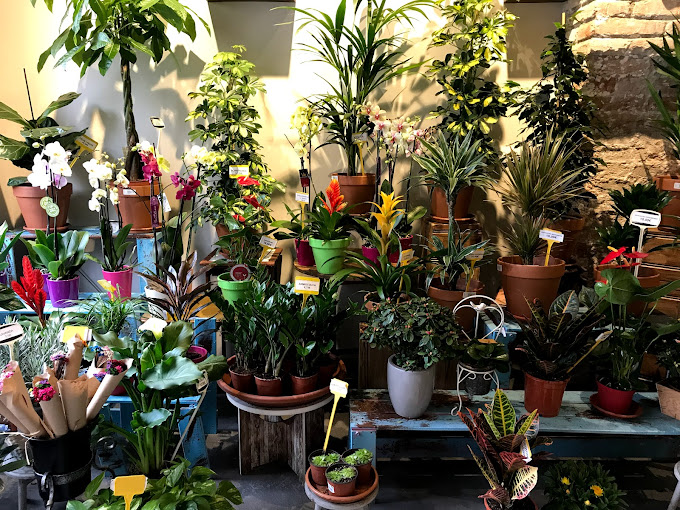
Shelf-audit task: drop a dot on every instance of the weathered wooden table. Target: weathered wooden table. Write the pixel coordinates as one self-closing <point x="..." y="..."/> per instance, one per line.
<point x="272" y="434"/>
<point x="578" y="431"/>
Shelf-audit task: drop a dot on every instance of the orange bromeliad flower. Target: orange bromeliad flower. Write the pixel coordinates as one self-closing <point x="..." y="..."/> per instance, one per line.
<point x="334" y="200"/>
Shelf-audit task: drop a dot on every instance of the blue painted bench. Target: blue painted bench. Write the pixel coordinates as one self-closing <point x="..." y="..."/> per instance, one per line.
<point x="577" y="432"/>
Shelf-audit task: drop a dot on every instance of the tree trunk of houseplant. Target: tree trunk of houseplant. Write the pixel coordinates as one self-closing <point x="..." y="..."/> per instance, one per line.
<point x="133" y="163"/>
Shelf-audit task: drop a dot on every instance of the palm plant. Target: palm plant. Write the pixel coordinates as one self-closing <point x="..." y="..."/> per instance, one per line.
<point x="362" y="60"/>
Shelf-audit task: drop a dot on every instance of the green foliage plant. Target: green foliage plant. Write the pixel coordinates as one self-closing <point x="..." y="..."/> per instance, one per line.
<point x="329" y="226"/>
<point x="476" y="33"/>
<point x="359" y="458"/>
<point x="482" y="354"/>
<point x="342" y="474"/>
<point x="447" y="263"/>
<point x="420" y="331"/>
<point x="61" y="254"/>
<point x="98" y="31"/>
<point x="6" y="246"/>
<point x="361" y="59"/>
<point x="297" y="229"/>
<point x="326" y="460"/>
<point x="576" y="484"/>
<point x="10" y="460"/>
<point x="104" y="314"/>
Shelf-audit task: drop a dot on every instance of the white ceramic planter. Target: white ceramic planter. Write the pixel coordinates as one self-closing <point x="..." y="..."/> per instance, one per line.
<point x="410" y="390"/>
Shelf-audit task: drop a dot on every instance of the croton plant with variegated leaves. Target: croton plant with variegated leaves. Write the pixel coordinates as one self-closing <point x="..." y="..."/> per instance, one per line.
<point x="507" y="445"/>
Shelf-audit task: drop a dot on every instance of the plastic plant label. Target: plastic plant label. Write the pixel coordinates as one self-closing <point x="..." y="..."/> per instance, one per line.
<point x="499" y="268"/>
<point x="45" y="202"/>
<point x="83" y="332"/>
<point x="203" y="382"/>
<point x="360" y="137"/>
<point x="157" y="122"/>
<point x="10" y="333"/>
<point x="307" y="285"/>
<point x="86" y="143"/>
<point x="236" y="171"/>
<point x="676" y="185"/>
<point x="644" y="218"/>
<point x="339" y="387"/>
<point x="551" y="235"/>
<point x="52" y="210"/>
<point x="129" y="192"/>
<point x="301" y="197"/>
<point x="128" y="487"/>
<point x="239" y="273"/>
<point x="476" y="255"/>
<point x="155" y="206"/>
<point x="406" y="256"/>
<point x="331" y="489"/>
<point x="603" y="336"/>
<point x="166" y="203"/>
<point x="268" y="242"/>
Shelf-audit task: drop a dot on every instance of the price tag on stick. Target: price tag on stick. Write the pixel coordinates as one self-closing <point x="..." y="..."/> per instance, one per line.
<point x="85" y="144"/>
<point x="303" y="199"/>
<point x="267" y="243"/>
<point x="643" y="219"/>
<point x="128" y="487"/>
<point x="339" y="390"/>
<point x="552" y="236"/>
<point x="307" y="286"/>
<point x="236" y="171"/>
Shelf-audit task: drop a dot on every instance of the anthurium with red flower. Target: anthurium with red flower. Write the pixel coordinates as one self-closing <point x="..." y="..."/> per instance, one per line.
<point x="30" y="289"/>
<point x="247" y="181"/>
<point x="252" y="200"/>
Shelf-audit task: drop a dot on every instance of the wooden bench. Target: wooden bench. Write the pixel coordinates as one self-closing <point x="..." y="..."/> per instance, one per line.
<point x="578" y="431"/>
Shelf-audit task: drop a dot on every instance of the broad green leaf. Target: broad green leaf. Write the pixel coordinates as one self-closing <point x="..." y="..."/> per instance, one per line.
<point x="153" y="418"/>
<point x="60" y="102"/>
<point x="503" y="413"/>
<point x="7" y="113"/>
<point x="171" y="373"/>
<point x="230" y="492"/>
<point x="12" y="149"/>
<point x="93" y="486"/>
<point x="215" y="366"/>
<point x="46" y="131"/>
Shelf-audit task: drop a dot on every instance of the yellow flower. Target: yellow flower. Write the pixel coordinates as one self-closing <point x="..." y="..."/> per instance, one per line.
<point x="587" y="502"/>
<point x="566" y="481"/>
<point x="106" y="285"/>
<point x="568" y="491"/>
<point x="597" y="490"/>
<point x="386" y="217"/>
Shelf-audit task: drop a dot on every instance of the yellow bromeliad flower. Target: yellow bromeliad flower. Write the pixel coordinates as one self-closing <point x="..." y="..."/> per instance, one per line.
<point x="386" y="217"/>
<point x="597" y="490"/>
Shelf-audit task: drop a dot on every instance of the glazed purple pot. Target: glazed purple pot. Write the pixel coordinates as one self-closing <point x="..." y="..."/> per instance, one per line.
<point x="46" y="275"/>
<point x="63" y="293"/>
<point x="303" y="253"/>
<point x="370" y="253"/>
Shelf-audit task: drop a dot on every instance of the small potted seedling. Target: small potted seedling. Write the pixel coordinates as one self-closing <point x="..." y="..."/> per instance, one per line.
<point x="319" y="461"/>
<point x="342" y="479"/>
<point x="361" y="459"/>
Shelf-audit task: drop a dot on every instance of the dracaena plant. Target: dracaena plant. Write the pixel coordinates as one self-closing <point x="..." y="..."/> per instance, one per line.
<point x="61" y="254"/>
<point x="500" y="437"/>
<point x="361" y="60"/>
<point x="555" y="342"/>
<point x="328" y="219"/>
<point x="99" y="31"/>
<point x="448" y="263"/>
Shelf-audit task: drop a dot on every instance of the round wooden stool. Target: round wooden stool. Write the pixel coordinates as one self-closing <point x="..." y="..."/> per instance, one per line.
<point x="320" y="503"/>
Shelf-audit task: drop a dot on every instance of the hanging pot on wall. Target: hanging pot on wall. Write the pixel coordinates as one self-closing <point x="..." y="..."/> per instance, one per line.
<point x="357" y="190"/>
<point x="135" y="206"/>
<point x="35" y="217"/>
<point x="671" y="184"/>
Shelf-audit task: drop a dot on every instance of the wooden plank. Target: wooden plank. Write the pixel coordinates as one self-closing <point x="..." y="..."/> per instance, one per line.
<point x="669" y="306"/>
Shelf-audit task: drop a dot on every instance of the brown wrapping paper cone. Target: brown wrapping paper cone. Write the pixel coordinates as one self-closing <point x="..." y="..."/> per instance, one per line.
<point x="53" y="416"/>
<point x="104" y="392"/>
<point x="13" y="419"/>
<point x="74" y="401"/>
<point x="16" y="403"/>
<point x="49" y="375"/>
<point x="92" y="386"/>
<point x="75" y="356"/>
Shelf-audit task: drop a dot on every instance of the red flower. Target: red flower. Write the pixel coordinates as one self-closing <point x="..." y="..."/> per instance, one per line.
<point x="636" y="255"/>
<point x="613" y="255"/>
<point x="247" y="181"/>
<point x="334" y="200"/>
<point x="252" y="200"/>
<point x="239" y="218"/>
<point x="31" y="289"/>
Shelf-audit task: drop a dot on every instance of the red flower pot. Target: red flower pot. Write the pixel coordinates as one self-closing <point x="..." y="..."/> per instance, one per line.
<point x="615" y="401"/>
<point x="242" y="381"/>
<point x="303" y="253"/>
<point x="302" y="385"/>
<point x="406" y="243"/>
<point x="370" y="253"/>
<point x="545" y="396"/>
<point x="269" y="387"/>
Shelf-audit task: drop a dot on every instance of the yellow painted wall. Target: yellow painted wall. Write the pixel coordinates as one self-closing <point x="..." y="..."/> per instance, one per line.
<point x="162" y="90"/>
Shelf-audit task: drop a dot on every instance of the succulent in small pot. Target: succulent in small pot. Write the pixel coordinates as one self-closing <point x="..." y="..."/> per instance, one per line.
<point x="341" y="479"/>
<point x="362" y="459"/>
<point x="482" y="355"/>
<point x="319" y="461"/>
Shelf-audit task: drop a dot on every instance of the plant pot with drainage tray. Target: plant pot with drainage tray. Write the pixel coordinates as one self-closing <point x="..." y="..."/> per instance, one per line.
<point x="341" y="479"/>
<point x="362" y="459"/>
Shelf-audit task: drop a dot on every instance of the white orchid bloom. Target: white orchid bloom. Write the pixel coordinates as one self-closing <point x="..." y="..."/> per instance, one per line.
<point x="56" y="152"/>
<point x="113" y="196"/>
<point x="40" y="174"/>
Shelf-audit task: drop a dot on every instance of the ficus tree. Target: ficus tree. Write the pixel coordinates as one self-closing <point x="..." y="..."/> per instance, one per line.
<point x="99" y="30"/>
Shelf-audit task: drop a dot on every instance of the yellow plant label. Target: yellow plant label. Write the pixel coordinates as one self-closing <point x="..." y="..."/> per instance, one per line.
<point x="301" y="197"/>
<point x="339" y="387"/>
<point x="128" y="487"/>
<point x="83" y="332"/>
<point x="307" y="285"/>
<point x="86" y="143"/>
<point x="236" y="171"/>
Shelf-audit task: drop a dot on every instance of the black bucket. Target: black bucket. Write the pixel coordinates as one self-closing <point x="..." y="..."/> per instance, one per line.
<point x="63" y="465"/>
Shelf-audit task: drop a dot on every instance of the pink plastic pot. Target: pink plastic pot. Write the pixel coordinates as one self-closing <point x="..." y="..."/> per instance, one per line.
<point x="370" y="253"/>
<point x="615" y="401"/>
<point x="63" y="293"/>
<point x="406" y="243"/>
<point x="196" y="353"/>
<point x="121" y="280"/>
<point x="303" y="253"/>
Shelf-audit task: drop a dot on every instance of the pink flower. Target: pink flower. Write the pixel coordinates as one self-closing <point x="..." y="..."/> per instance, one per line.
<point x="247" y="181"/>
<point x="150" y="168"/>
<point x="176" y="179"/>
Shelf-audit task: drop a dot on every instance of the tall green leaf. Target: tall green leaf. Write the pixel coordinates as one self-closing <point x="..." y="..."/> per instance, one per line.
<point x="503" y="413"/>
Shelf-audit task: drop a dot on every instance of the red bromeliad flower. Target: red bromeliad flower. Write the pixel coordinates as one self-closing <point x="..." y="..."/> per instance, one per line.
<point x="30" y="290"/>
<point x="247" y="181"/>
<point x="334" y="200"/>
<point x="252" y="200"/>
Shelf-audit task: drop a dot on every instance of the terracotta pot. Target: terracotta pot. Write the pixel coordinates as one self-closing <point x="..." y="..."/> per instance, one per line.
<point x="545" y="396"/>
<point x="648" y="278"/>
<point x="527" y="282"/>
<point x="35" y="217"/>
<point x="650" y="368"/>
<point x="406" y="243"/>
<point x="318" y="472"/>
<point x="570" y="228"/>
<point x="269" y="387"/>
<point x="364" y="470"/>
<point x="615" y="401"/>
<point x="135" y="205"/>
<point x="341" y="489"/>
<point x="303" y="253"/>
<point x="450" y="298"/>
<point x="357" y="190"/>
<point x="672" y="185"/>
<point x="222" y="230"/>
<point x="302" y="385"/>
<point x="242" y="382"/>
<point x="439" y="208"/>
<point x="371" y="254"/>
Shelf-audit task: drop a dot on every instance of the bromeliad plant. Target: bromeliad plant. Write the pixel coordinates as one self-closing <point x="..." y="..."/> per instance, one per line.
<point x="501" y="437"/>
<point x="329" y="221"/>
<point x="61" y="254"/>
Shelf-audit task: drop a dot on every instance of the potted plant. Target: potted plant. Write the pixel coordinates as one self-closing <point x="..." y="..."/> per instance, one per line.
<point x="330" y="228"/>
<point x="112" y="313"/>
<point x="6" y="247"/>
<point x="243" y="260"/>
<point x="668" y="356"/>
<point x="631" y="336"/>
<point x="62" y="255"/>
<point x="537" y="181"/>
<point x="483" y="357"/>
<point x="450" y="276"/>
<point x="299" y="232"/>
<point x="294" y="331"/>
<point x="577" y="484"/>
<point x="420" y="334"/>
<point x="101" y="31"/>
<point x="243" y="338"/>
<point x="500" y="435"/>
<point x="238" y="187"/>
<point x="362" y="59"/>
<point x="362" y="459"/>
<point x="453" y="168"/>
<point x="39" y="134"/>
<point x="554" y="343"/>
<point x="319" y="461"/>
<point x="341" y="479"/>
<point x="558" y="103"/>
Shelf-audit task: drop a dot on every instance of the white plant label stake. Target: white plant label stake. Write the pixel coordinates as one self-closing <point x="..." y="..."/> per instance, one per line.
<point x="128" y="487"/>
<point x="339" y="390"/>
<point x="643" y="219"/>
<point x="302" y="198"/>
<point x="267" y="243"/>
<point x="236" y="171"/>
<point x="9" y="335"/>
<point x="552" y="236"/>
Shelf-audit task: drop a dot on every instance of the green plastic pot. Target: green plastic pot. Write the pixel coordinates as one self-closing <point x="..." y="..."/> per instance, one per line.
<point x="329" y="255"/>
<point x="232" y="290"/>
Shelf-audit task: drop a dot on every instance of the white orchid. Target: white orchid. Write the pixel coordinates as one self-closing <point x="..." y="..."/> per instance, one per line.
<point x="121" y="180"/>
<point x="113" y="196"/>
<point x="56" y="152"/>
<point x="94" y="203"/>
<point x="40" y="173"/>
